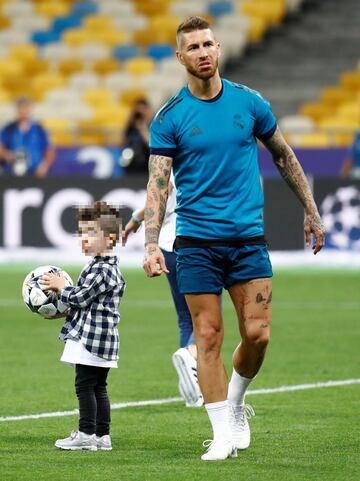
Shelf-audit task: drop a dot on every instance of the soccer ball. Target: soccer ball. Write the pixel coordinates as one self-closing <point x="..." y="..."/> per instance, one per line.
<point x="44" y="303"/>
<point x="341" y="215"/>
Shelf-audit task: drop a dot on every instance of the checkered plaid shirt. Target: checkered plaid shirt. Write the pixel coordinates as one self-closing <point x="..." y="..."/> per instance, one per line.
<point x="93" y="302"/>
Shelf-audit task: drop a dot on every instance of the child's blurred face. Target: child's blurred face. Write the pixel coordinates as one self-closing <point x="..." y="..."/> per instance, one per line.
<point x="93" y="240"/>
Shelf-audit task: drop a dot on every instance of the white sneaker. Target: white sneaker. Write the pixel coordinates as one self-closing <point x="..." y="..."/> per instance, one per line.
<point x="238" y="417"/>
<point x="77" y="441"/>
<point x="219" y="450"/>
<point x="189" y="403"/>
<point x="186" y="368"/>
<point x="103" y="442"/>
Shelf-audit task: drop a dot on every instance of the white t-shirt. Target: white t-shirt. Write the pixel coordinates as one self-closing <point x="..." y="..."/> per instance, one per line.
<point x="75" y="353"/>
<point x="167" y="233"/>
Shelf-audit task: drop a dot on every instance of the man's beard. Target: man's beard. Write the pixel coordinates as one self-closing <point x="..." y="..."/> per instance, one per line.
<point x="205" y="74"/>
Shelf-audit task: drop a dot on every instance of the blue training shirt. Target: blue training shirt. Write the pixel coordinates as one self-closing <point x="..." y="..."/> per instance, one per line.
<point x="215" y="160"/>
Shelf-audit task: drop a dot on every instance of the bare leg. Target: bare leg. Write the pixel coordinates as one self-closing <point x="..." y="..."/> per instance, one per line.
<point x="252" y="301"/>
<point x="209" y="332"/>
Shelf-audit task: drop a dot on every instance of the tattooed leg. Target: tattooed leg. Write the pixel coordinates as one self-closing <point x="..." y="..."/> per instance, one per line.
<point x="252" y="301"/>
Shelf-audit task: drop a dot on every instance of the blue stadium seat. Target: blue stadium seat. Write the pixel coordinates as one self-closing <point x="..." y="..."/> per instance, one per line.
<point x="84" y="8"/>
<point x="160" y="51"/>
<point x="125" y="52"/>
<point x="216" y="9"/>
<point x="69" y="21"/>
<point x="43" y="37"/>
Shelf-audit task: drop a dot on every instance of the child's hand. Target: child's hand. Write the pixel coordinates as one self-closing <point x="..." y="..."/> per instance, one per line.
<point x="54" y="281"/>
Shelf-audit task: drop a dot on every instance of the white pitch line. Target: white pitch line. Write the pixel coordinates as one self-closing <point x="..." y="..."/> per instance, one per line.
<point x="154" y="402"/>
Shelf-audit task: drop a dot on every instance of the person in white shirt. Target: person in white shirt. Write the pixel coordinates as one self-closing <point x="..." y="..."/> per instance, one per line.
<point x="184" y="359"/>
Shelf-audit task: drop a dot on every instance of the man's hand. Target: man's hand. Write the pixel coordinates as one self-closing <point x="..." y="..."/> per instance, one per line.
<point x="41" y="171"/>
<point x="154" y="262"/>
<point x="131" y="226"/>
<point x="54" y="281"/>
<point x="314" y="225"/>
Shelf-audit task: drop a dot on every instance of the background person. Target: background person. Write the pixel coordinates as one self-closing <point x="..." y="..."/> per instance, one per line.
<point x="184" y="359"/>
<point x="25" y="148"/>
<point x="207" y="134"/>
<point x="351" y="165"/>
<point x="135" y="139"/>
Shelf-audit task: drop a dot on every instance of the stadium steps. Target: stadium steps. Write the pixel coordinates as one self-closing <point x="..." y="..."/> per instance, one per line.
<point x="326" y="34"/>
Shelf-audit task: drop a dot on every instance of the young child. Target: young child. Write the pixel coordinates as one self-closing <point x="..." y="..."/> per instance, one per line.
<point x="90" y="329"/>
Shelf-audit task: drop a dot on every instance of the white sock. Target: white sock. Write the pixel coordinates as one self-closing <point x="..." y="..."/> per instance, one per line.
<point x="219" y="417"/>
<point x="237" y="388"/>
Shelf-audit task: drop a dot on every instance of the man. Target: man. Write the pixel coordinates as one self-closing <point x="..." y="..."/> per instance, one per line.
<point x="24" y="144"/>
<point x="207" y="135"/>
<point x="351" y="166"/>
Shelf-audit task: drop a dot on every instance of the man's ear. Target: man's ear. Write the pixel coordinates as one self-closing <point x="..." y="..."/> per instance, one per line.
<point x="179" y="57"/>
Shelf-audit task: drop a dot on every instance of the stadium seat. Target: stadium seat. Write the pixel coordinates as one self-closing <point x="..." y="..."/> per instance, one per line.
<point x="160" y="51"/>
<point x="42" y="38"/>
<point x="216" y="9"/>
<point x="97" y="97"/>
<point x="92" y="52"/>
<point x="351" y="80"/>
<point x="315" y="110"/>
<point x="336" y="95"/>
<point x="119" y="81"/>
<point x="312" y="139"/>
<point x="105" y="66"/>
<point x="84" y="8"/>
<point x="61" y="131"/>
<point x="41" y="83"/>
<point x="129" y="97"/>
<point x="70" y="66"/>
<point x="53" y="8"/>
<point x="140" y="66"/>
<point x="185" y="8"/>
<point x="115" y="8"/>
<point x="125" y="52"/>
<point x="84" y="80"/>
<point x="131" y="24"/>
<point x="155" y="7"/>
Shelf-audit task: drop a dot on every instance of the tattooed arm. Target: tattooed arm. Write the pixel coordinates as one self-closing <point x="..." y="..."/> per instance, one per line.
<point x="292" y="172"/>
<point x="155" y="207"/>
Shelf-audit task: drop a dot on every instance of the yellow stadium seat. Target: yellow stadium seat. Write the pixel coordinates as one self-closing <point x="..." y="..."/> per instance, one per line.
<point x="36" y="66"/>
<point x="109" y="37"/>
<point x="44" y="82"/>
<point x="98" y="22"/>
<point x="4" y="95"/>
<point x="54" y="8"/>
<point x="24" y="53"/>
<point x="105" y="66"/>
<point x="70" y="66"/>
<point x="4" y="22"/>
<point x="98" y="97"/>
<point x="340" y="124"/>
<point x="130" y="96"/>
<point x="314" y="139"/>
<point x="316" y="110"/>
<point x="111" y="116"/>
<point x="336" y="95"/>
<point x="10" y="68"/>
<point x="61" y="131"/>
<point x="89" y="132"/>
<point x="18" y="86"/>
<point x="77" y="36"/>
<point x="258" y="27"/>
<point x="351" y="80"/>
<point x="272" y="11"/>
<point x="152" y="8"/>
<point x="140" y="66"/>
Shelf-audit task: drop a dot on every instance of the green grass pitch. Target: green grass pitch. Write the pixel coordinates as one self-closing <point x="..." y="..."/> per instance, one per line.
<point x="309" y="435"/>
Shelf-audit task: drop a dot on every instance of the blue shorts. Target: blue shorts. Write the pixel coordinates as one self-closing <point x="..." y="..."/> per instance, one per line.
<point x="207" y="270"/>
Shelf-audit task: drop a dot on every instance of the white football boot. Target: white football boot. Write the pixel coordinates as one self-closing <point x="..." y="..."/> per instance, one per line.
<point x="103" y="443"/>
<point x="238" y="417"/>
<point x="186" y="368"/>
<point x="78" y="441"/>
<point x="219" y="450"/>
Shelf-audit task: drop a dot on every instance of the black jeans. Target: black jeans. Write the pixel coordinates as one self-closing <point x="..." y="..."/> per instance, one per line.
<point x="94" y="404"/>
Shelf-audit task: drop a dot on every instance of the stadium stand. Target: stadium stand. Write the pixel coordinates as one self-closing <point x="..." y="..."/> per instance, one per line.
<point x="84" y="63"/>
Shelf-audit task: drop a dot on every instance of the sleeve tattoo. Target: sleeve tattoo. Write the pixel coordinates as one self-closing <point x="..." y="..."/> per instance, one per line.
<point x="290" y="169"/>
<point x="157" y="194"/>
